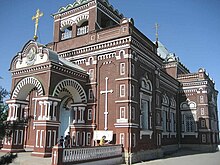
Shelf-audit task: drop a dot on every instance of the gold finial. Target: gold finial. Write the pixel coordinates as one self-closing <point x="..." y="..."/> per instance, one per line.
<point x="156" y="28"/>
<point x="36" y="18"/>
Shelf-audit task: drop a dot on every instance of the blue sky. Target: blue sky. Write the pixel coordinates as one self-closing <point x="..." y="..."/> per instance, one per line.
<point x="190" y="28"/>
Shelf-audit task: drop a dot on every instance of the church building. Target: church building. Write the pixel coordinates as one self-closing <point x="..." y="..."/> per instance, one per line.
<point x="101" y="76"/>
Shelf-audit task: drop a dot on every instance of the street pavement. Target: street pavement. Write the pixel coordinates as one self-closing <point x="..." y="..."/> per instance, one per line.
<point x="187" y="157"/>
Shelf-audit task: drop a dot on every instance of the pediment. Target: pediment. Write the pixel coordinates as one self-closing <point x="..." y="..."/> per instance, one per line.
<point x="32" y="53"/>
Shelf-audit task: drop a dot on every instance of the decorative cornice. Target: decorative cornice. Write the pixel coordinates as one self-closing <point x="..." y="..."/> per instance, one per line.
<point x="31" y="69"/>
<point x="112" y="13"/>
<point x="73" y="8"/>
<point x="126" y="101"/>
<point x="96" y="47"/>
<point x="198" y="83"/>
<point x="126" y="78"/>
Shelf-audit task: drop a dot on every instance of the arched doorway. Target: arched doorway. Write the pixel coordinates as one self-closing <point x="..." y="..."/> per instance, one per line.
<point x="70" y="92"/>
<point x="24" y="99"/>
<point x="66" y="116"/>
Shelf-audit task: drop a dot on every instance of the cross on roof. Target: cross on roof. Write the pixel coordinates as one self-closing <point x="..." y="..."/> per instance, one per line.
<point x="36" y="18"/>
<point x="157" y="28"/>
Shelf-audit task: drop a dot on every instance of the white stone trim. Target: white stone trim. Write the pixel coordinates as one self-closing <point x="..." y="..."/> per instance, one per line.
<point x="49" y="138"/>
<point x="37" y="136"/>
<point x="83" y="126"/>
<point x="126" y="78"/>
<point x="25" y="81"/>
<point x="126" y="125"/>
<point x="103" y="45"/>
<point x="87" y="138"/>
<point x="21" y="138"/>
<point x="146" y="132"/>
<point x="54" y="137"/>
<point x="74" y="84"/>
<point x="122" y="120"/>
<point x="41" y="138"/>
<point x="126" y="101"/>
<point x="189" y="134"/>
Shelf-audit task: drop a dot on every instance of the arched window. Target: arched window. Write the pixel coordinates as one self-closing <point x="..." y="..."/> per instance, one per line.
<point x="190" y="125"/>
<point x="145" y="106"/>
<point x="188" y="112"/>
<point x="188" y="105"/>
<point x="146" y="85"/>
<point x="173" y="103"/>
<point x="66" y="32"/>
<point x="172" y="114"/>
<point x="121" y="53"/>
<point x="165" y="111"/>
<point x="82" y="27"/>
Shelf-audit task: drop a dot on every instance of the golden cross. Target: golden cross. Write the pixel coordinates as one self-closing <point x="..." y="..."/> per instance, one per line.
<point x="36" y="18"/>
<point x="157" y="27"/>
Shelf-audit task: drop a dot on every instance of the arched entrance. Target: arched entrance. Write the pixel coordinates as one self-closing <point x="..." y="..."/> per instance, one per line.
<point x="66" y="116"/>
<point x="70" y="92"/>
<point x="22" y="111"/>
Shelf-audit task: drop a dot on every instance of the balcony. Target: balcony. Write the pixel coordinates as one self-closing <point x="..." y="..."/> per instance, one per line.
<point x="82" y="30"/>
<point x="66" y="35"/>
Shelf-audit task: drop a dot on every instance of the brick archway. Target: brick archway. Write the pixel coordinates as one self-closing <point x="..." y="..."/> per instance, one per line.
<point x="73" y="87"/>
<point x="25" y="85"/>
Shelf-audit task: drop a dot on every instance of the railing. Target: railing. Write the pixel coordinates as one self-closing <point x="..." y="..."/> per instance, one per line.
<point x="66" y="35"/>
<point x="82" y="30"/>
<point x="93" y="153"/>
<point x="62" y="156"/>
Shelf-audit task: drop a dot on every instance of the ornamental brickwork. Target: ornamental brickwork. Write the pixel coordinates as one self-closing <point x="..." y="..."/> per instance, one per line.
<point x="101" y="73"/>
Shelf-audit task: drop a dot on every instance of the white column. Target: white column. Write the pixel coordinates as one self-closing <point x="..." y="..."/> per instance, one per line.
<point x="9" y="112"/>
<point x="13" y="116"/>
<point x="45" y="109"/>
<point x="80" y="115"/>
<point x="21" y="112"/>
<point x="54" y="109"/>
<point x="82" y="111"/>
<point x="41" y="110"/>
<point x="16" y="110"/>
<point x="49" y="108"/>
<point x="35" y="108"/>
<point x="75" y="109"/>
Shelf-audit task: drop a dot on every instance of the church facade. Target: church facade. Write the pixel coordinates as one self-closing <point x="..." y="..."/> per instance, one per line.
<point x="101" y="73"/>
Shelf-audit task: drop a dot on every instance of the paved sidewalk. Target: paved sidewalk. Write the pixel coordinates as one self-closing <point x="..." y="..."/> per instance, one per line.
<point x="187" y="157"/>
<point x="25" y="158"/>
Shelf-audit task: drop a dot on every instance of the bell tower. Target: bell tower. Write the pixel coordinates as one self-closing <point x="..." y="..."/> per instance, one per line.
<point x="75" y="24"/>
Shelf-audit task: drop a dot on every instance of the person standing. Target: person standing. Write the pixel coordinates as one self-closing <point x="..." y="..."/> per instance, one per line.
<point x="67" y="140"/>
<point x="61" y="141"/>
<point x="102" y="141"/>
